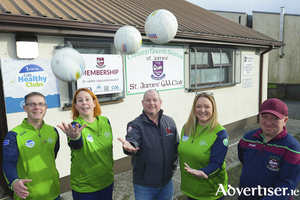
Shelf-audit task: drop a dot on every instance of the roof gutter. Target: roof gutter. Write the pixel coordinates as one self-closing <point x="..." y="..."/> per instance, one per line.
<point x="261" y="66"/>
<point x="218" y="43"/>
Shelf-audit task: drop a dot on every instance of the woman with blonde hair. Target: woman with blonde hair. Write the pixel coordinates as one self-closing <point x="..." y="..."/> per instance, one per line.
<point x="202" y="149"/>
<point x="90" y="139"/>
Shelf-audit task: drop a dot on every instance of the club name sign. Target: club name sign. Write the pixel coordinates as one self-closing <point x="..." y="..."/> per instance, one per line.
<point x="157" y="67"/>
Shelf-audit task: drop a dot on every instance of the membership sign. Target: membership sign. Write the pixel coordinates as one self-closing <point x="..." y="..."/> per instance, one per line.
<point x="103" y="73"/>
<point x="159" y="67"/>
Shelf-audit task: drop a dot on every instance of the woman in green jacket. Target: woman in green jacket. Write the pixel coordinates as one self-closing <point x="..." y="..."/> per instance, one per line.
<point x="90" y="139"/>
<point x="202" y="149"/>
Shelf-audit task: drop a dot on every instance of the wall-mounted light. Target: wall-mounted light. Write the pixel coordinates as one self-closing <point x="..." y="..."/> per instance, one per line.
<point x="257" y="51"/>
<point x="27" y="46"/>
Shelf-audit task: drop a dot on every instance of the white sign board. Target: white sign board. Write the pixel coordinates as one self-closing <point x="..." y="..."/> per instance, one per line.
<point x="103" y="73"/>
<point x="248" y="65"/>
<point x="21" y="77"/>
<point x="248" y="83"/>
<point x="159" y="67"/>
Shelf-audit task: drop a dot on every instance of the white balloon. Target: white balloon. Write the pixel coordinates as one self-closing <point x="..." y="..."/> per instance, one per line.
<point x="161" y="26"/>
<point x="67" y="64"/>
<point x="128" y="40"/>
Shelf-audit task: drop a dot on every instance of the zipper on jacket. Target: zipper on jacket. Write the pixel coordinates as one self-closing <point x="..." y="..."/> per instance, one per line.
<point x="262" y="149"/>
<point x="161" y="142"/>
<point x="144" y="170"/>
<point x="40" y="136"/>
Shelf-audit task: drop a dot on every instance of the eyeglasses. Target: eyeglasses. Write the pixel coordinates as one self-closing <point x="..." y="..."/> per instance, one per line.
<point x="208" y="93"/>
<point x="33" y="105"/>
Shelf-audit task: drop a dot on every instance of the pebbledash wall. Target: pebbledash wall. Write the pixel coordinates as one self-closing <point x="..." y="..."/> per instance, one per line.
<point x="237" y="105"/>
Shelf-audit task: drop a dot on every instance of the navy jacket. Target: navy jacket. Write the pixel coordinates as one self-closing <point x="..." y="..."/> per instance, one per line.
<point x="157" y="158"/>
<point x="271" y="165"/>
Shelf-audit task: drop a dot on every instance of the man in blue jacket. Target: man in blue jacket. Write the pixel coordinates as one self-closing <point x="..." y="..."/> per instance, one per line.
<point x="270" y="156"/>
<point x="152" y="140"/>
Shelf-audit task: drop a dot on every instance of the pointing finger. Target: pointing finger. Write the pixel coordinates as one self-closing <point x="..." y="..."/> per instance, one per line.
<point x="121" y="140"/>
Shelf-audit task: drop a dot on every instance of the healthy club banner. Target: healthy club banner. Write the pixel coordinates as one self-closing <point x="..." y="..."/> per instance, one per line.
<point x="21" y="77"/>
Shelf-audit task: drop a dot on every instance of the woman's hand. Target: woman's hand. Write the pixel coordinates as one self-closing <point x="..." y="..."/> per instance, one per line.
<point x="195" y="172"/>
<point x="72" y="132"/>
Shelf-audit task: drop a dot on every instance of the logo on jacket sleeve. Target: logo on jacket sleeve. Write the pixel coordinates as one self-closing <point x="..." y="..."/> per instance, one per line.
<point x="90" y="138"/>
<point x="273" y="163"/>
<point x="29" y="143"/>
<point x="225" y="142"/>
<point x="129" y="129"/>
<point x="5" y="142"/>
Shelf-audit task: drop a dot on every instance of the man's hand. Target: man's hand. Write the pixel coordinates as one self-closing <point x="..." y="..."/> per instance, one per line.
<point x="195" y="172"/>
<point x="127" y="146"/>
<point x="73" y="133"/>
<point x="20" y="189"/>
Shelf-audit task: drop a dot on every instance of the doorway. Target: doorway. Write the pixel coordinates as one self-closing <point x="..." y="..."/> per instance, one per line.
<point x="3" y="132"/>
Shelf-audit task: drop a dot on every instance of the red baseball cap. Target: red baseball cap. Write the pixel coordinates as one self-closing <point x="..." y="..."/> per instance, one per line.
<point x="275" y="107"/>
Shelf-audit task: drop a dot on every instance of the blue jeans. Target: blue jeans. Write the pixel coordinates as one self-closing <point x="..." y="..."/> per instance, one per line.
<point x="158" y="193"/>
<point x="221" y="198"/>
<point x="104" y="194"/>
<point x="58" y="198"/>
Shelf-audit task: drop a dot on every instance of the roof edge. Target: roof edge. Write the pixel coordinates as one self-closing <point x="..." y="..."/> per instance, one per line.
<point x="73" y="27"/>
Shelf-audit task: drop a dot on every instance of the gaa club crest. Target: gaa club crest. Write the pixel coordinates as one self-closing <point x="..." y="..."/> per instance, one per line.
<point x="158" y="69"/>
<point x="100" y="63"/>
<point x="273" y="163"/>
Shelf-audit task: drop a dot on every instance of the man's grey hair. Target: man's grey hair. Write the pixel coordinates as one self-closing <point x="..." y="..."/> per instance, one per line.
<point x="152" y="90"/>
<point x="34" y="94"/>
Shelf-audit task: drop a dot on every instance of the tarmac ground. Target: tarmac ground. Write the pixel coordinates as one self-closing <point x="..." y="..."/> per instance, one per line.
<point x="123" y="187"/>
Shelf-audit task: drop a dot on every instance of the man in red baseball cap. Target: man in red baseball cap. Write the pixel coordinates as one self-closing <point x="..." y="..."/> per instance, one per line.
<point x="270" y="156"/>
<point x="273" y="118"/>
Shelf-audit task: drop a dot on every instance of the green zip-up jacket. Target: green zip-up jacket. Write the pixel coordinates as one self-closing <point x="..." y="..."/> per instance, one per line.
<point x="92" y="157"/>
<point x="205" y="152"/>
<point x="33" y="152"/>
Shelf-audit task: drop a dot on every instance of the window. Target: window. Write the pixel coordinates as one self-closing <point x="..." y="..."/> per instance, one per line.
<point x="214" y="67"/>
<point x="93" y="46"/>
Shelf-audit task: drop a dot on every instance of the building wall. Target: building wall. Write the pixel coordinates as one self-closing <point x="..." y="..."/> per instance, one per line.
<point x="281" y="70"/>
<point x="286" y="69"/>
<point x="284" y="72"/>
<point x="234" y="103"/>
<point x="237" y="17"/>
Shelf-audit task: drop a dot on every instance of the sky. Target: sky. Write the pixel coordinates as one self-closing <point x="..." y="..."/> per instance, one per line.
<point x="247" y="6"/>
